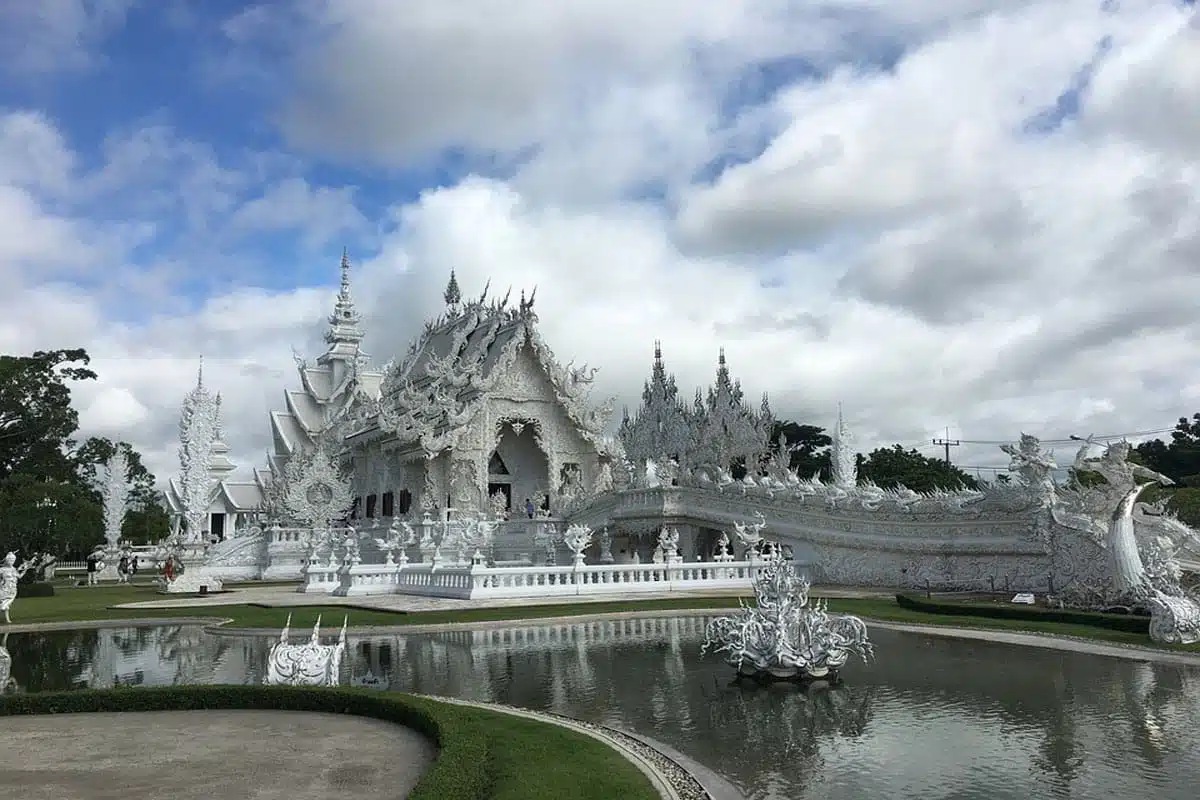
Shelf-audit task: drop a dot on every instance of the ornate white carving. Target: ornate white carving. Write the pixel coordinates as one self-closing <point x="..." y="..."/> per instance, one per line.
<point x="309" y="664"/>
<point x="399" y="537"/>
<point x="114" y="489"/>
<point x="316" y="491"/>
<point x="783" y="637"/>
<point x="1175" y="620"/>
<point x="750" y="534"/>
<point x="578" y="538"/>
<point x="197" y="431"/>
<point x="843" y="456"/>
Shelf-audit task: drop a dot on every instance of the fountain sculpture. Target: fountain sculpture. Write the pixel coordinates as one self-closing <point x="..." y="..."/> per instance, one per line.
<point x="308" y="664"/>
<point x="783" y="637"/>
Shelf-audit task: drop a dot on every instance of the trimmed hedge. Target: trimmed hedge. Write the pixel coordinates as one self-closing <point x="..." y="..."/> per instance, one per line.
<point x="1116" y="622"/>
<point x="38" y="589"/>
<point x="462" y="771"/>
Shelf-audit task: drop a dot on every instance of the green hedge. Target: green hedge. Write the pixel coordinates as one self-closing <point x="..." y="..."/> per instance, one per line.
<point x="463" y="770"/>
<point x="35" y="590"/>
<point x="1116" y="622"/>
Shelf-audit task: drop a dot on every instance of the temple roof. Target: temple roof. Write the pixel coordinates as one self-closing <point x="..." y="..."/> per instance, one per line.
<point x="459" y="359"/>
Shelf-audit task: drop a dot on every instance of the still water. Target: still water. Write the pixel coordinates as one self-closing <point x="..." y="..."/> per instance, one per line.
<point x="931" y="718"/>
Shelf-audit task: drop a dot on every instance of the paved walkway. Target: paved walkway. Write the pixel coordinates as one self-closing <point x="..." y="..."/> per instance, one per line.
<point x="200" y="755"/>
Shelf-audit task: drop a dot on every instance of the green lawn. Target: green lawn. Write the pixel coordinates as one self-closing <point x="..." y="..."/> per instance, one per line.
<point x="95" y="603"/>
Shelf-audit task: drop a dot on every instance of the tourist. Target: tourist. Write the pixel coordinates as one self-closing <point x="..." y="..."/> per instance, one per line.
<point x="93" y="563"/>
<point x="123" y="569"/>
<point x="529" y="511"/>
<point x="133" y="566"/>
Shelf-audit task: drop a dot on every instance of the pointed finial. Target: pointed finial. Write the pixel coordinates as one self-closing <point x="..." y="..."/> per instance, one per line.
<point x="452" y="295"/>
<point x="316" y="634"/>
<point x="658" y="350"/>
<point x="345" y="267"/>
<point x="283" y="634"/>
<point x="721" y="358"/>
<point x="200" y="373"/>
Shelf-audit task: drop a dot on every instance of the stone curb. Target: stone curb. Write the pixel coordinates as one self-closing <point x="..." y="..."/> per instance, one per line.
<point x="670" y="780"/>
<point x="98" y="624"/>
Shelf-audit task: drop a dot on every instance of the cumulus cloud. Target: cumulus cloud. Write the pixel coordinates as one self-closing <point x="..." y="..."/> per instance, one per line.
<point x="57" y="35"/>
<point x="980" y="215"/>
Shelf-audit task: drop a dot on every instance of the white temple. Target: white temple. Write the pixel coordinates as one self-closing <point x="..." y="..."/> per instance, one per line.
<point x="479" y="460"/>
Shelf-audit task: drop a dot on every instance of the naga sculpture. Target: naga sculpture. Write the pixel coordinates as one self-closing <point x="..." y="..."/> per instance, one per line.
<point x="785" y="638"/>
<point x="309" y="664"/>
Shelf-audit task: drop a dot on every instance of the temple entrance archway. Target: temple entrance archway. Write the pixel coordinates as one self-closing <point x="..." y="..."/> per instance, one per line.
<point x="519" y="464"/>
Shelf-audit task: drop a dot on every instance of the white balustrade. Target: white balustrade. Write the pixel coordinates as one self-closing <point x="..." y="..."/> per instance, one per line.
<point x="478" y="582"/>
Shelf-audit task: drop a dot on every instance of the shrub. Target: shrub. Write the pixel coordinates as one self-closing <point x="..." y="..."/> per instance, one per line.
<point x="1116" y="622"/>
<point x="37" y="589"/>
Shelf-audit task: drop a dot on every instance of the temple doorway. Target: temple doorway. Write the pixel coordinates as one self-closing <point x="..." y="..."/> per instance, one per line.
<point x="519" y="464"/>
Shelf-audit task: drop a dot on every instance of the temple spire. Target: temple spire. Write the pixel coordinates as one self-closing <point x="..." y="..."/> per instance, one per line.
<point x="344" y="334"/>
<point x="844" y="459"/>
<point x="453" y="295"/>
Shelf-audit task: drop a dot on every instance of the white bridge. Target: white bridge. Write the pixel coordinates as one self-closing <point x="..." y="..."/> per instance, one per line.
<point x="964" y="541"/>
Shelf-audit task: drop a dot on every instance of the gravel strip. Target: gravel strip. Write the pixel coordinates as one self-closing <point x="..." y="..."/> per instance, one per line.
<point x="686" y="784"/>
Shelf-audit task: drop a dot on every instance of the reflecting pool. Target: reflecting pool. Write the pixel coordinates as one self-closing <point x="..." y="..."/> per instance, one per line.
<point x="931" y="718"/>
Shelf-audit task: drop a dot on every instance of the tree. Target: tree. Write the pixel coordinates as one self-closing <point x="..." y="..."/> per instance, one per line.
<point x="57" y="517"/>
<point x="146" y="521"/>
<point x="808" y="446"/>
<point x="1179" y="460"/>
<point x="895" y="466"/>
<point x="36" y="416"/>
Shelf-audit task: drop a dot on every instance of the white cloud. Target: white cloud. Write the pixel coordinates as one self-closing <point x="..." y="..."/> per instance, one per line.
<point x="892" y="235"/>
<point x="317" y="213"/>
<point x="57" y="35"/>
<point x="113" y="410"/>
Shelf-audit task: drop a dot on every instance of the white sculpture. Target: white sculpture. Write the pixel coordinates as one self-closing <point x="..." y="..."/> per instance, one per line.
<point x="668" y="544"/>
<point x="1174" y="620"/>
<point x="578" y="538"/>
<point x="606" y="556"/>
<point x="783" y="637"/>
<point x="199" y="425"/>
<point x="750" y="534"/>
<point x="10" y="576"/>
<point x="400" y="536"/>
<point x="114" y="490"/>
<point x="308" y="664"/>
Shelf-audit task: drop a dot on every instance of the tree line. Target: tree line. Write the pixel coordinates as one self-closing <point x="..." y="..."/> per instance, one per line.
<point x="49" y="490"/>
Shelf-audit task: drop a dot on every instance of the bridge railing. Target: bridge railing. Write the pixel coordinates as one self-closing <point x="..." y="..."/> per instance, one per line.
<point x="469" y="582"/>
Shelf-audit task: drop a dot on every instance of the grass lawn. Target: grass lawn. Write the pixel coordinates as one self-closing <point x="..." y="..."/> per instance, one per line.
<point x="95" y="603"/>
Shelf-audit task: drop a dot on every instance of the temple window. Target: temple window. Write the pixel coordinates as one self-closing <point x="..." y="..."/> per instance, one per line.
<point x="371" y="502"/>
<point x="389" y="505"/>
<point x="405" y="501"/>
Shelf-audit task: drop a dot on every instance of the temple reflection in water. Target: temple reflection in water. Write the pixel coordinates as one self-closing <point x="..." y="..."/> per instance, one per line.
<point x="936" y="717"/>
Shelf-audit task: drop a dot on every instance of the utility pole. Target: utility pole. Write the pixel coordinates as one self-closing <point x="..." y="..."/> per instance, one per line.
<point x="947" y="443"/>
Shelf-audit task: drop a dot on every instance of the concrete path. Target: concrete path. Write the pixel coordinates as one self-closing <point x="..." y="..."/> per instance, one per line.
<point x="1049" y="641"/>
<point x="287" y="596"/>
<point x="200" y="755"/>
